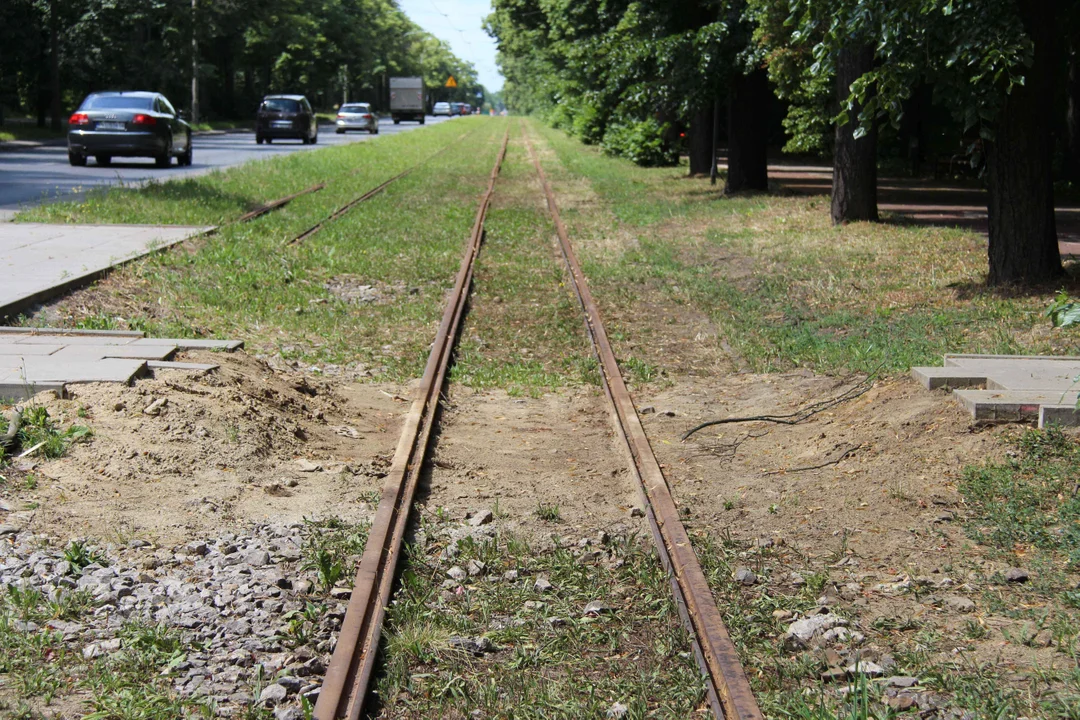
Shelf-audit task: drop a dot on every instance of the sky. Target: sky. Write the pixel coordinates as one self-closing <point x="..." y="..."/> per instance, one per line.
<point x="459" y="22"/>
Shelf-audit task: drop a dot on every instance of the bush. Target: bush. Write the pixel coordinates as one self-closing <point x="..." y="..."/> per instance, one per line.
<point x="641" y="141"/>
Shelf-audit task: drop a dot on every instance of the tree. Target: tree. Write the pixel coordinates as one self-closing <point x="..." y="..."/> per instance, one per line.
<point x="994" y="63"/>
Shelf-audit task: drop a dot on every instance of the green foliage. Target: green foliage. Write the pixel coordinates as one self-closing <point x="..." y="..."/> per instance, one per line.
<point x="620" y="74"/>
<point x="1063" y="312"/>
<point x="641" y="141"/>
<point x="325" y="50"/>
<point x="37" y="428"/>
<point x="79" y="554"/>
<point x="1030" y="499"/>
<point x="332" y="546"/>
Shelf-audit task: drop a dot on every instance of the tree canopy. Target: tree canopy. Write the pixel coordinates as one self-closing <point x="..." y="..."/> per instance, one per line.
<point x="328" y="50"/>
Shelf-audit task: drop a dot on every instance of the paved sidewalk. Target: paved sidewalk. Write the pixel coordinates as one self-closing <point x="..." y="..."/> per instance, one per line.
<point x="39" y="261"/>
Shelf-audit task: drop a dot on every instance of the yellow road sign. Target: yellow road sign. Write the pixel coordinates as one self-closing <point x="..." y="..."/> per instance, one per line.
<point x="451" y="82"/>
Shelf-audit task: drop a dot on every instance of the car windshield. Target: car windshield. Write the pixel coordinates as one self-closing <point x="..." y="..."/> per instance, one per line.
<point x="281" y="105"/>
<point x="117" y="102"/>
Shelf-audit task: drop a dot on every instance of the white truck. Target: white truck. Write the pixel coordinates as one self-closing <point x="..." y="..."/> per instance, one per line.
<point x="407" y="101"/>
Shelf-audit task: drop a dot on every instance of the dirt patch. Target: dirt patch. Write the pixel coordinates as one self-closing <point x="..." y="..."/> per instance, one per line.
<point x="240" y="445"/>
<point x="355" y="290"/>
<point x="514" y="454"/>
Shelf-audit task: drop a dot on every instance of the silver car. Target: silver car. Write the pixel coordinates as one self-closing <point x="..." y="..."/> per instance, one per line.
<point x="357" y="116"/>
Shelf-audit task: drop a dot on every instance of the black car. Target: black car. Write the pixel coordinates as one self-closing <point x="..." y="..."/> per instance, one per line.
<point x="128" y="124"/>
<point x="286" y="116"/>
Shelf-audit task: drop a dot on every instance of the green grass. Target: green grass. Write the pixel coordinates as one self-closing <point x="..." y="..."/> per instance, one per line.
<point x="29" y="131"/>
<point x="524" y="330"/>
<point x="545" y="660"/>
<point x="247" y="282"/>
<point x="37" y="429"/>
<point x="38" y="667"/>
<point x="784" y="287"/>
<point x="1030" y="500"/>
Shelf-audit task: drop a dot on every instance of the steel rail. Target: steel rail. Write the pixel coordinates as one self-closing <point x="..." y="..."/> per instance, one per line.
<point x="728" y="687"/>
<point x="275" y="204"/>
<point x="370" y="193"/>
<point x="345" y="685"/>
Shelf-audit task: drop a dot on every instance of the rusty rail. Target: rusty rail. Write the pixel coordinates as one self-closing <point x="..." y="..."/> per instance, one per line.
<point x="275" y="204"/>
<point x="345" y="685"/>
<point x="728" y="687"/>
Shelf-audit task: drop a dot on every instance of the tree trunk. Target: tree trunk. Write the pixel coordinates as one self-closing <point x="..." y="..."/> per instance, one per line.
<point x="1023" y="236"/>
<point x="748" y="133"/>
<point x="54" y="67"/>
<point x="854" y="188"/>
<point x="1072" y="118"/>
<point x="699" y="142"/>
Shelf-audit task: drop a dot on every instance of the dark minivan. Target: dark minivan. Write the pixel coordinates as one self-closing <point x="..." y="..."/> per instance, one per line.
<point x="286" y="116"/>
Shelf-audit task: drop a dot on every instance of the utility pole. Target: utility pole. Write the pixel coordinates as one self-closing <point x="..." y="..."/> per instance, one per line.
<point x="194" y="68"/>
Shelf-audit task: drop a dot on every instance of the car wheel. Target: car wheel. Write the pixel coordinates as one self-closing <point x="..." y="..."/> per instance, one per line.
<point x="77" y="159"/>
<point x="184" y="159"/>
<point x="421" y="121"/>
<point x="103" y="160"/>
<point x="315" y="139"/>
<point x="258" y="139"/>
<point x="374" y="131"/>
<point x="396" y="121"/>
<point x="269" y="141"/>
<point x="339" y="131"/>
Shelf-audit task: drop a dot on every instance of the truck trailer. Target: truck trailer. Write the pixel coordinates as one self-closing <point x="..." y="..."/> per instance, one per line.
<point x="407" y="101"/>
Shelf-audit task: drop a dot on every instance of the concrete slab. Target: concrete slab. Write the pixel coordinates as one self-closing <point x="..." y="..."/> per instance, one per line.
<point x="933" y="378"/>
<point x="27" y="350"/>
<point x="49" y="369"/>
<point x="1011" y="405"/>
<point x="1063" y="415"/>
<point x="189" y="367"/>
<point x="73" y="340"/>
<point x="32" y="362"/>
<point x="82" y="353"/>
<point x="1017" y="387"/>
<point x="24" y="391"/>
<point x="40" y="261"/>
<point x="4" y="331"/>
<point x="191" y="344"/>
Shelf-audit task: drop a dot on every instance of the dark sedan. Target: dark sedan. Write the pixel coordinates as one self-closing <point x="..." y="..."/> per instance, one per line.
<point x="128" y="124"/>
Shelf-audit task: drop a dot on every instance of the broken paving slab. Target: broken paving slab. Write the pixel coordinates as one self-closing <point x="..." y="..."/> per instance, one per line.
<point x="39" y="361"/>
<point x="1016" y="388"/>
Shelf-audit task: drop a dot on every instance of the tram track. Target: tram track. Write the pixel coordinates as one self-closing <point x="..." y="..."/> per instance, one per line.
<point x="346" y="681"/>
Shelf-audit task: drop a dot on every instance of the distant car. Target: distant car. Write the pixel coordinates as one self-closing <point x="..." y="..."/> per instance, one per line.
<point x="286" y="116"/>
<point x="455" y="108"/>
<point x="128" y="124"/>
<point x="466" y="109"/>
<point x="356" y="116"/>
<point x="441" y="108"/>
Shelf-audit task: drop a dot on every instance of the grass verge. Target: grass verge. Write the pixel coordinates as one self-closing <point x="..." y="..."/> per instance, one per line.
<point x="365" y="291"/>
<point x="783" y="286"/>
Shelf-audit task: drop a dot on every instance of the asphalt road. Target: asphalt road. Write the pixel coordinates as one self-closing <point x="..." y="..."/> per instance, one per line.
<point x="41" y="174"/>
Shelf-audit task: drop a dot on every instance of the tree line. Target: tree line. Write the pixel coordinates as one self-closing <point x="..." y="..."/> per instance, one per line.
<point x="996" y="82"/>
<point x="57" y="51"/>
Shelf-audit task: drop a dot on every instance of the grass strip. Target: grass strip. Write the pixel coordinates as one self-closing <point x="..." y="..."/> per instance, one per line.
<point x="784" y="287"/>
<point x="524" y="331"/>
<point x="366" y="290"/>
